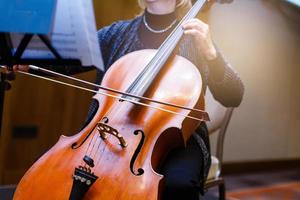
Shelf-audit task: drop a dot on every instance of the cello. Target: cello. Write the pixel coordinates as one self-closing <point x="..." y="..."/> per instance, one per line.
<point x="116" y="156"/>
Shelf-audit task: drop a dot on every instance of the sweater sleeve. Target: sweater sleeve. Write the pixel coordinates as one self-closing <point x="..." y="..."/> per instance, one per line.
<point x="224" y="83"/>
<point x="104" y="38"/>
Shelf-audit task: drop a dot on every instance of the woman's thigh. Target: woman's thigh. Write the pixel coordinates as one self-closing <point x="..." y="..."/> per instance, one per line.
<point x="182" y="172"/>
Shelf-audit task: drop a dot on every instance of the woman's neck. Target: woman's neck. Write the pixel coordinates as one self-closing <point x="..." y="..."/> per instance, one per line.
<point x="160" y="7"/>
<point x="159" y="21"/>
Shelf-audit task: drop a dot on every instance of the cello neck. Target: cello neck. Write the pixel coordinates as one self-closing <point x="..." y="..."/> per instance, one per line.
<point x="148" y="74"/>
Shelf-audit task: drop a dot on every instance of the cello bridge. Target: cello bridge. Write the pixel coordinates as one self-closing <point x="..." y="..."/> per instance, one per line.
<point x="105" y="130"/>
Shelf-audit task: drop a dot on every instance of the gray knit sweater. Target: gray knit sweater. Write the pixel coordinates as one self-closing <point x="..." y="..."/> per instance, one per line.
<point x="122" y="37"/>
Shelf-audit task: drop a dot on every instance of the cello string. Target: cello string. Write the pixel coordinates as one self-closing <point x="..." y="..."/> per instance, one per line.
<point x="136" y="86"/>
<point x="93" y="138"/>
<point x="156" y="62"/>
<point x="152" y="71"/>
<point x="110" y="115"/>
<point x="115" y="111"/>
<point x="96" y="152"/>
<point x="149" y="69"/>
<point x="86" y="152"/>
<point x="146" y="72"/>
<point x="169" y="44"/>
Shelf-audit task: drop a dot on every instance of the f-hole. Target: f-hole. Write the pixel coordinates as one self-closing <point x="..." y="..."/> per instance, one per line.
<point x="139" y="171"/>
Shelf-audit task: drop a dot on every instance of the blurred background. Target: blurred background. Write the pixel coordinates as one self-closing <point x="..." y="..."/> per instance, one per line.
<point x="260" y="38"/>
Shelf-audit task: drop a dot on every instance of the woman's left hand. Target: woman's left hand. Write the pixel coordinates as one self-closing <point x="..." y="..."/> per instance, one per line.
<point x="200" y="31"/>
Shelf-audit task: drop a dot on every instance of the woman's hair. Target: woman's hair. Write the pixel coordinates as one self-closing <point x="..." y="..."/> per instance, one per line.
<point x="182" y="6"/>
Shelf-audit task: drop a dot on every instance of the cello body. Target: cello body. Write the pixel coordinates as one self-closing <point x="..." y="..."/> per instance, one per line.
<point x="128" y="171"/>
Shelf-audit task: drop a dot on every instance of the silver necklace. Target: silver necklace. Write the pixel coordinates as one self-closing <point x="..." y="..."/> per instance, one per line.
<point x="158" y="31"/>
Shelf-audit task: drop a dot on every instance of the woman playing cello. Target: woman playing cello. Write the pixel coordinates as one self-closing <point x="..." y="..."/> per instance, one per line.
<point x="185" y="169"/>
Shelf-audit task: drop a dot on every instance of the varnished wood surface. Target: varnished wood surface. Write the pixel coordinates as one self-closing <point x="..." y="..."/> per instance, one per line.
<point x="179" y="82"/>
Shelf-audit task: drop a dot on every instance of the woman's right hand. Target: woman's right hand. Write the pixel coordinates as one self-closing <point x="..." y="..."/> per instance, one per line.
<point x="10" y="75"/>
<point x="24" y="68"/>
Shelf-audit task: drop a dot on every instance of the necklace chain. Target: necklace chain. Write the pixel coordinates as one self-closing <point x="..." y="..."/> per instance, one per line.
<point x="158" y="31"/>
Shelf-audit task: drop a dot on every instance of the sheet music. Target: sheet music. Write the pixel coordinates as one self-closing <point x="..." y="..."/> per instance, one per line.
<point x="74" y="35"/>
